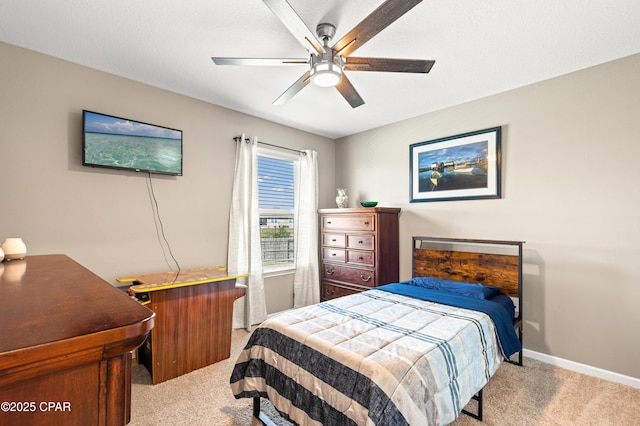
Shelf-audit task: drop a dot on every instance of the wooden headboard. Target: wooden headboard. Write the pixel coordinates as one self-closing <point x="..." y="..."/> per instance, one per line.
<point x="473" y="261"/>
<point x="490" y="262"/>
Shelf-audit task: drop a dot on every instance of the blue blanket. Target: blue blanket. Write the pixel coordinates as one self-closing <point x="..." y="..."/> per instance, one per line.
<point x="506" y="334"/>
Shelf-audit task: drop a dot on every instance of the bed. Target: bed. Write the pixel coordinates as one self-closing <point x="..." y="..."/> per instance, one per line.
<point x="414" y="352"/>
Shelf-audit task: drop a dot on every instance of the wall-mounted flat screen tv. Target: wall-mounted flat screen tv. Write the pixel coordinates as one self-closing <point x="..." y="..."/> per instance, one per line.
<point x="125" y="144"/>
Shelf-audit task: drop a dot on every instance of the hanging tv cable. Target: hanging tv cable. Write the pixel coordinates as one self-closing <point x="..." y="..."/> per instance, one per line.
<point x="160" y="227"/>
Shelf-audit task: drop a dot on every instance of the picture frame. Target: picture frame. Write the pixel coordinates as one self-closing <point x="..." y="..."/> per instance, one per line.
<point x="459" y="167"/>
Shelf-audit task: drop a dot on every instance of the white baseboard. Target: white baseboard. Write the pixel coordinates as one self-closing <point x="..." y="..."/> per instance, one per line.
<point x="584" y="369"/>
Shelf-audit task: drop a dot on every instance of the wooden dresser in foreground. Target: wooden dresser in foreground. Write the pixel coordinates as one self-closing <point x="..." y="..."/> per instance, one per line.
<point x="66" y="338"/>
<point x="359" y="249"/>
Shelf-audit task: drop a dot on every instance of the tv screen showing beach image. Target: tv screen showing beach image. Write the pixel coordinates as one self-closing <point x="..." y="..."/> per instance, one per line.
<point x="127" y="144"/>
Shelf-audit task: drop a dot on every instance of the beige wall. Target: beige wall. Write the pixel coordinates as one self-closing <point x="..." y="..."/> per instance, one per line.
<point x="571" y="147"/>
<point x="103" y="218"/>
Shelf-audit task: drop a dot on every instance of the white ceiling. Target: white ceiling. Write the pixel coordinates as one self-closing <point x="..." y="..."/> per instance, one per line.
<point x="480" y="47"/>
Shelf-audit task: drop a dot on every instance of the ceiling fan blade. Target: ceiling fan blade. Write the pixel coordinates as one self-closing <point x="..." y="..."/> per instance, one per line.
<point x="349" y="92"/>
<point x="387" y="13"/>
<point x="295" y="24"/>
<point x="388" y="65"/>
<point x="260" y="61"/>
<point x="294" y="89"/>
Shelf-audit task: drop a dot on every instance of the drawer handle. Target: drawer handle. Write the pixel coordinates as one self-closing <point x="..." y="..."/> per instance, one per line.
<point x="330" y="272"/>
<point x="366" y="280"/>
<point x="334" y="240"/>
<point x="328" y="292"/>
<point x="333" y="254"/>
<point x="360" y="242"/>
<point x="360" y="258"/>
<point x="366" y="222"/>
<point x="329" y="222"/>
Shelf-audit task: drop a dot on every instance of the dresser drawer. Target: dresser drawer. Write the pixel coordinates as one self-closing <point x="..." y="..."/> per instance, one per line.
<point x="365" y="258"/>
<point x="362" y="222"/>
<point x="361" y="241"/>
<point x="332" y="291"/>
<point x="346" y="274"/>
<point x="334" y="255"/>
<point x="333" y="240"/>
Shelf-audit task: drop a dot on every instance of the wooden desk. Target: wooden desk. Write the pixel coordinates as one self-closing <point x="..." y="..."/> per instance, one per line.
<point x="66" y="338"/>
<point x="194" y="312"/>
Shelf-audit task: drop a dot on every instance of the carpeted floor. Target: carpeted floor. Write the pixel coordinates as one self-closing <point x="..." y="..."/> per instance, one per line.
<point x="535" y="394"/>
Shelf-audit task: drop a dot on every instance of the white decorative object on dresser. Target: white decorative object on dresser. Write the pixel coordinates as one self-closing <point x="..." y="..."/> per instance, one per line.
<point x="359" y="249"/>
<point x="14" y="248"/>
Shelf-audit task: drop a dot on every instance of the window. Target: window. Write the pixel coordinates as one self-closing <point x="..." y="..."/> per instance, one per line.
<point x="276" y="201"/>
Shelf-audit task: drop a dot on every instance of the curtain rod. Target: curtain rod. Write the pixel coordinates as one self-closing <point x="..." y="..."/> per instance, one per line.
<point x="237" y="138"/>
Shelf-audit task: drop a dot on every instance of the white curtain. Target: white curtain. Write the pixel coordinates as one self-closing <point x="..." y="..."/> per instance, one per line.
<point x="244" y="254"/>
<point x="306" y="282"/>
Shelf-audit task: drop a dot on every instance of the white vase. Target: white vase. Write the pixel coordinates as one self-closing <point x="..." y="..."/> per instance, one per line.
<point x="342" y="199"/>
<point x="14" y="248"/>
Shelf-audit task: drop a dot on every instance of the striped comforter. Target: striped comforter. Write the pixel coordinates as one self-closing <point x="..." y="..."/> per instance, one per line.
<point x="370" y="358"/>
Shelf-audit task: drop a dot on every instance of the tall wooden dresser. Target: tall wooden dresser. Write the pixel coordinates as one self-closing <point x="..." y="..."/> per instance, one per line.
<point x="359" y="249"/>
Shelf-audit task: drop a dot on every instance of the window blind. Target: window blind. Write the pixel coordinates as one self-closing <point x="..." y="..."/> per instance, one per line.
<point x="275" y="183"/>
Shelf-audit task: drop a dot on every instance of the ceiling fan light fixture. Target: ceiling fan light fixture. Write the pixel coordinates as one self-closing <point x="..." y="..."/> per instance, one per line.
<point x="326" y="74"/>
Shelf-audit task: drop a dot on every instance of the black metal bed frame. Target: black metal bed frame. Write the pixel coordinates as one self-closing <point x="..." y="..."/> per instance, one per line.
<point x="259" y="414"/>
<point x="517" y="322"/>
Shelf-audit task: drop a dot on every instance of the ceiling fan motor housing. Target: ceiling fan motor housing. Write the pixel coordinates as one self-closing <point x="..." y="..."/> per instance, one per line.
<point x="326" y="67"/>
<point x="325" y="32"/>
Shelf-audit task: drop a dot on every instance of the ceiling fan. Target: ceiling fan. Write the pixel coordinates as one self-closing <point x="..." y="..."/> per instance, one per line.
<point x="327" y="64"/>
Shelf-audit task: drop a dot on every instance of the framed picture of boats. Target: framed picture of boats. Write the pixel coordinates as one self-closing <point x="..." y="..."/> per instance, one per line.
<point x="460" y="167"/>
